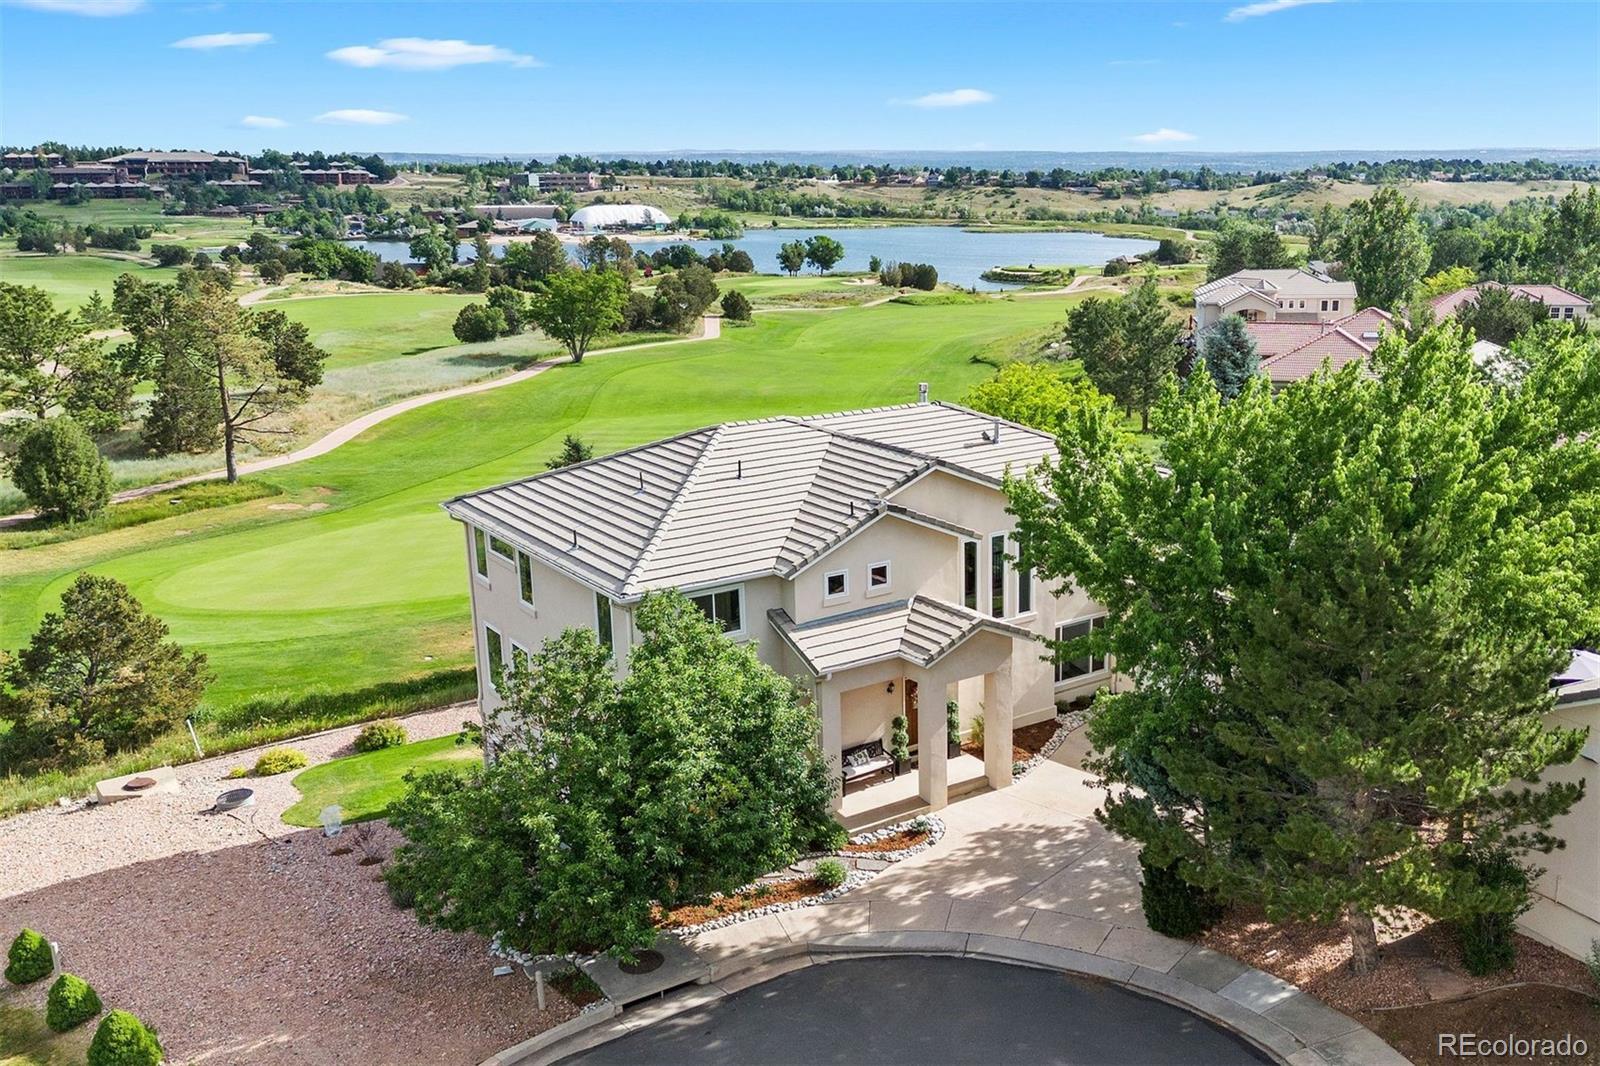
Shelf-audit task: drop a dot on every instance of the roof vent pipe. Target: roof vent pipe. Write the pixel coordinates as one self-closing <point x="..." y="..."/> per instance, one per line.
<point x="641" y="481"/>
<point x="738" y="469"/>
<point x="922" y="392"/>
<point x="574" y="538"/>
<point x="996" y="438"/>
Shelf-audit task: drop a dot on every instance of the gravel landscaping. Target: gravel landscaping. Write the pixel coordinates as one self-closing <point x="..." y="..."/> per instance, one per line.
<point x="56" y="844"/>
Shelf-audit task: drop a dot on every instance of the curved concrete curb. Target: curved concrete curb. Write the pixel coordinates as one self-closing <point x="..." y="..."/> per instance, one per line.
<point x="572" y="1027"/>
<point x="1282" y="1021"/>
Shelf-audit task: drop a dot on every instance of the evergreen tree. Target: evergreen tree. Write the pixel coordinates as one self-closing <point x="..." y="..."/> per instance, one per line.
<point x="1344" y="603"/>
<point x="1230" y="355"/>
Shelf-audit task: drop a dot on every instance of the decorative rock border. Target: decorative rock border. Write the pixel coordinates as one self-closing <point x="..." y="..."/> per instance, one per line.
<point x="935" y="826"/>
<point x="1067" y="723"/>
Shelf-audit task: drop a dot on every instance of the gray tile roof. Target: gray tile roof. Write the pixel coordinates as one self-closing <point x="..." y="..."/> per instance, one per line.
<point x="920" y="630"/>
<point x="743" y="499"/>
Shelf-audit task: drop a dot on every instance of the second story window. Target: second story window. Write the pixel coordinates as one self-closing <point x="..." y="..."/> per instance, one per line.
<point x="525" y="578"/>
<point x="501" y="548"/>
<point x="724" y="607"/>
<point x="835" y="586"/>
<point x="495" y="651"/>
<point x="877" y="578"/>
<point x="602" y="620"/>
<point x="969" y="574"/>
<point x="480" y="552"/>
<point x="1084" y="666"/>
<point x="1024" y="590"/>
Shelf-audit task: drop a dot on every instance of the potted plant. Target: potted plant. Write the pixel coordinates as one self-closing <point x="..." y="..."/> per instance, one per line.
<point x="952" y="722"/>
<point x="900" y="744"/>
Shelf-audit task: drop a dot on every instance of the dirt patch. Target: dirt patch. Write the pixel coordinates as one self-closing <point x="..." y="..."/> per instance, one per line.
<point x="1419" y="962"/>
<point x="576" y="987"/>
<point x="761" y="896"/>
<point x="279" y="953"/>
<point x="1530" y="1012"/>
<point x="900" y="841"/>
<point x="1026" y="741"/>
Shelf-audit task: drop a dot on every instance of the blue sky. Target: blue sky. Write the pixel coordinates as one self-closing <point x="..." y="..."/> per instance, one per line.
<point x="527" y="77"/>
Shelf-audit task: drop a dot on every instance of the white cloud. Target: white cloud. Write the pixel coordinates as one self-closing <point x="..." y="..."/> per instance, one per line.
<point x="360" y="116"/>
<point x="95" y="8"/>
<point x="1162" y="136"/>
<point x="421" y="53"/>
<point x="208" y="41"/>
<point x="1267" y="7"/>
<point x="953" y="98"/>
<point x="262" y="122"/>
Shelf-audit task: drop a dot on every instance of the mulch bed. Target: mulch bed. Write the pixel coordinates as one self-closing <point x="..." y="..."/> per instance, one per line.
<point x="1418" y="962"/>
<point x="751" y="898"/>
<point x="1533" y="1012"/>
<point x="900" y="841"/>
<point x="576" y="987"/>
<point x="1026" y="741"/>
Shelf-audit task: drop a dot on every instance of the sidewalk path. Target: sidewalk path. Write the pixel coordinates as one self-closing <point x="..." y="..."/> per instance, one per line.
<point x="350" y="430"/>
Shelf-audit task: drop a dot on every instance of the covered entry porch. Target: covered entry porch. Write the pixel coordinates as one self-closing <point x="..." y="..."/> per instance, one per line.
<point x="911" y="658"/>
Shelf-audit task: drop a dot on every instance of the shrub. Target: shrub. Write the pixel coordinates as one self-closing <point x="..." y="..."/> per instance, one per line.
<point x="952" y="720"/>
<point x="1486" y="937"/>
<point x="977" y="730"/>
<point x="476" y="323"/>
<point x="829" y="873"/>
<point x="922" y="276"/>
<point x="29" y="958"/>
<point x="1172" y="906"/>
<point x="899" y="739"/>
<point x="401" y="893"/>
<point x="123" y="1040"/>
<point x="71" y="1003"/>
<point x="60" y="471"/>
<point x="396" y="275"/>
<point x="736" y="306"/>
<point x="272" y="271"/>
<point x="279" y="761"/>
<point x="739" y="262"/>
<point x="170" y="255"/>
<point x="375" y="736"/>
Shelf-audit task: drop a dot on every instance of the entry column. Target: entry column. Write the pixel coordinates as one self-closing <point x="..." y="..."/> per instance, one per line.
<point x="997" y="725"/>
<point x="933" y="759"/>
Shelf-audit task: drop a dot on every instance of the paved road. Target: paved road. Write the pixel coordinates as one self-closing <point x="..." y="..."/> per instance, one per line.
<point x="925" y="1010"/>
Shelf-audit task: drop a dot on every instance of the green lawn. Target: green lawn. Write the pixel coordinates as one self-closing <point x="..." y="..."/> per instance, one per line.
<point x="69" y="279"/>
<point x="356" y="330"/>
<point x="25" y="1040"/>
<point x="364" y="785"/>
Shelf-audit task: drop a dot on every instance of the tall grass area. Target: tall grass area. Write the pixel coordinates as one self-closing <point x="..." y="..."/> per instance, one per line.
<point x="261" y="720"/>
<point x="180" y="501"/>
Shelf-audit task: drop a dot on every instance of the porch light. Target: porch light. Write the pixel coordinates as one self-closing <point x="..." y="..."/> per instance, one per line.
<point x="890" y="688"/>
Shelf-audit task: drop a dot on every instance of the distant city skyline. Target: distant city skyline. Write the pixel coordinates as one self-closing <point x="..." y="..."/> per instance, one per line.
<point x="482" y="78"/>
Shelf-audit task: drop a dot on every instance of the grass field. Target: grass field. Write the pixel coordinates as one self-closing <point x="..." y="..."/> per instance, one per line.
<point x="361" y="582"/>
<point x="25" y="1040"/>
<point x="364" y="785"/>
<point x="69" y="279"/>
<point x="356" y="330"/>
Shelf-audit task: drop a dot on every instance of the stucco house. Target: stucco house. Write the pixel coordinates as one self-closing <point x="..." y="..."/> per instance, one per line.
<point x="1293" y="351"/>
<point x="1566" y="910"/>
<point x="1290" y="295"/>
<point x="1560" y="304"/>
<point x="866" y="553"/>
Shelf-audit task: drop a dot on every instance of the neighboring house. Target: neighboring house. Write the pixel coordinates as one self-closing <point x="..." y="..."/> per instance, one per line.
<point x="1563" y="304"/>
<point x="1566" y="909"/>
<point x="1293" y="351"/>
<point x="1293" y="295"/>
<point x="864" y="553"/>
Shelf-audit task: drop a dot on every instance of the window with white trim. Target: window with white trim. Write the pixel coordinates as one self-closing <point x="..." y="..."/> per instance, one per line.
<point x="878" y="578"/>
<point x="969" y="574"/>
<point x="723" y="606"/>
<point x="997" y="575"/>
<point x="495" y="651"/>
<point x="519" y="657"/>
<point x="1085" y="665"/>
<point x="525" y="578"/>
<point x="835" y="585"/>
<point x="480" y="552"/>
<point x="1024" y="590"/>
<point x="502" y="548"/>
<point x="602" y="620"/>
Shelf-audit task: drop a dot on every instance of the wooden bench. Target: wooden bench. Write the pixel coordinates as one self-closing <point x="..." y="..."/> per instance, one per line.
<point x="864" y="761"/>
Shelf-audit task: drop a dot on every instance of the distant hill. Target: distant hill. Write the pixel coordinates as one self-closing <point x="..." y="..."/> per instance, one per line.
<point x="1234" y="162"/>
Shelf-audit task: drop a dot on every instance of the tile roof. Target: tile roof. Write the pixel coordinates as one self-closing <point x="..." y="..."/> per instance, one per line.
<point x="921" y="630"/>
<point x="743" y="499"/>
<point x="1445" y="305"/>
<point x="1293" y="351"/>
<point x="1296" y="282"/>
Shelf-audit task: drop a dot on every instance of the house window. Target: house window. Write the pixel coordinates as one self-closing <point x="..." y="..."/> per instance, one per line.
<point x="525" y="578"/>
<point x="969" y="574"/>
<point x="501" y="548"/>
<point x="602" y="619"/>
<point x="1324" y="305"/>
<point x="723" y="606"/>
<point x="877" y="578"/>
<point x="1024" y="590"/>
<point x="519" y="657"/>
<point x="1566" y="312"/>
<point x="495" y="651"/>
<point x="1555" y="312"/>
<point x="1336" y="305"/>
<point x="1083" y="666"/>
<point x="835" y="585"/>
<point x="997" y="575"/>
<point x="480" y="552"/>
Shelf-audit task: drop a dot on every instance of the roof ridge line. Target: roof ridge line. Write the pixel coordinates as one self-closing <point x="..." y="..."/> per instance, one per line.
<point x="654" y="539"/>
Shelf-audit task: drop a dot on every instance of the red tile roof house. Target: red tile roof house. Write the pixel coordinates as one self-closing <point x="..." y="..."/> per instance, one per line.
<point x="1563" y="304"/>
<point x="1293" y="351"/>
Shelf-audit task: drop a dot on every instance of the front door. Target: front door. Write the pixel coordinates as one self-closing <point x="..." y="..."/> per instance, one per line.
<point x="910" y="710"/>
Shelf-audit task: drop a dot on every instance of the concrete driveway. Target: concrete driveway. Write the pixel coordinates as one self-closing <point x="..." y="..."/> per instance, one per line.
<point x="918" y="1010"/>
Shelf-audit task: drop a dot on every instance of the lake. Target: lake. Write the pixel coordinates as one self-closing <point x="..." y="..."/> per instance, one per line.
<point x="960" y="255"/>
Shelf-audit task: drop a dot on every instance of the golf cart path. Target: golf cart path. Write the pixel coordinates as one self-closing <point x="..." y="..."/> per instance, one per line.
<point x="712" y="329"/>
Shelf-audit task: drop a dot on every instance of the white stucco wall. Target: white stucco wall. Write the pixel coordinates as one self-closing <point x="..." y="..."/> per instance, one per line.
<point x="1566" y="912"/>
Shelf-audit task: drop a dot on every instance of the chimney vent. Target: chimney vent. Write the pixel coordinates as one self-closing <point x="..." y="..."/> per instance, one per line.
<point x="574" y="538"/>
<point x="738" y="469"/>
<point x="995" y="439"/>
<point x="641" y="481"/>
<point x="922" y="392"/>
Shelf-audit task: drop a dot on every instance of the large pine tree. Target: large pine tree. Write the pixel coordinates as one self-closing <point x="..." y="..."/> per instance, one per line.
<point x="1342" y="605"/>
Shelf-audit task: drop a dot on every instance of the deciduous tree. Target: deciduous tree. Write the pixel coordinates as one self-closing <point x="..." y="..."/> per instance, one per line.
<point x="1034" y="394"/>
<point x="50" y="364"/>
<point x="576" y="305"/>
<point x="1383" y="249"/>
<point x="792" y="256"/>
<point x="823" y="252"/>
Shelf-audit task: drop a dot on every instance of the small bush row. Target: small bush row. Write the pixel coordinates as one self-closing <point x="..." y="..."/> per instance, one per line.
<point x="121" y="1038"/>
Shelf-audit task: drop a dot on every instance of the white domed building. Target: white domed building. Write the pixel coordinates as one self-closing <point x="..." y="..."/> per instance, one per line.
<point x="597" y="217"/>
